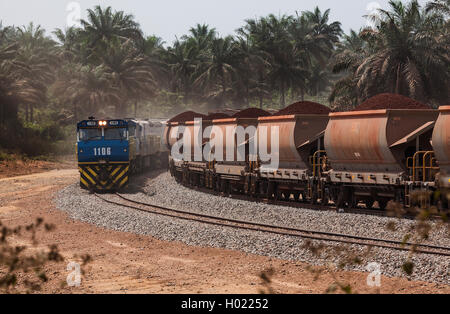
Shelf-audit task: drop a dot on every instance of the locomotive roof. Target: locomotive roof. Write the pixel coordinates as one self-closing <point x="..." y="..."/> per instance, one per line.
<point x="95" y="123"/>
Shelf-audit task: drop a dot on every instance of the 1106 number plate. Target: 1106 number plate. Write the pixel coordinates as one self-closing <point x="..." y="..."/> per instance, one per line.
<point x="102" y="151"/>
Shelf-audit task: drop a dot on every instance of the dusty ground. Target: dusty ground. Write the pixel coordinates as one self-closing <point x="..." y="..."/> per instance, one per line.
<point x="128" y="263"/>
<point x="17" y="167"/>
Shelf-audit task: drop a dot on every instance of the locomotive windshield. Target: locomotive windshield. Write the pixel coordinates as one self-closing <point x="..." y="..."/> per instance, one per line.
<point x="116" y="134"/>
<point x="90" y="134"/>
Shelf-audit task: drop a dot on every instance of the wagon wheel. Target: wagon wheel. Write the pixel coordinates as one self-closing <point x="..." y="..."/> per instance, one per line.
<point x="340" y="199"/>
<point x="217" y="184"/>
<point x="229" y="188"/>
<point x="325" y="199"/>
<point x="278" y="195"/>
<point x="369" y="203"/>
<point x="270" y="189"/>
<point x="352" y="201"/>
<point x="382" y="204"/>
<point x="263" y="188"/>
<point x="302" y="194"/>
<point x="296" y="196"/>
<point x="314" y="198"/>
<point x="286" y="196"/>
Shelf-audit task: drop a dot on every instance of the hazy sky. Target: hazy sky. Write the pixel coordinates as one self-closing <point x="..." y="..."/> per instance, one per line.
<point x="170" y="18"/>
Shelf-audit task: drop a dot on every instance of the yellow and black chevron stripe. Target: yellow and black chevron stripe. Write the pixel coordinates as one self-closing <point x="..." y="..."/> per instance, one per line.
<point x="104" y="177"/>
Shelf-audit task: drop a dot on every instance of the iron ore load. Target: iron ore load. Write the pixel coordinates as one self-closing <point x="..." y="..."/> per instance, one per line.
<point x="390" y="148"/>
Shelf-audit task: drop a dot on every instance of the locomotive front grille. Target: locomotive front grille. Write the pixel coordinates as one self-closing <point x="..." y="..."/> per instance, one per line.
<point x="104" y="177"/>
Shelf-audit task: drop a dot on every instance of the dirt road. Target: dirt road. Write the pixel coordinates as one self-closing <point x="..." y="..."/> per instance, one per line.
<point x="128" y="263"/>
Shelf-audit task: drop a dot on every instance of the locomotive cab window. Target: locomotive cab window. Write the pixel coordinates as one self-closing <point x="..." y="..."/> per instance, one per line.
<point x="90" y="134"/>
<point x="116" y="134"/>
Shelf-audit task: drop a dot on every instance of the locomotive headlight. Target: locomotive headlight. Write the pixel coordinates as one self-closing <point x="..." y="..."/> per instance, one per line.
<point x="125" y="150"/>
<point x="102" y="123"/>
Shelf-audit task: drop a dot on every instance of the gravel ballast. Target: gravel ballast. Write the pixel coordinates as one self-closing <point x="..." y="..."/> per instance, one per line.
<point x="164" y="191"/>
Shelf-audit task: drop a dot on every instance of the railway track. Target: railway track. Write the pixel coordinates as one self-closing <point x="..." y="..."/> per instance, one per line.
<point x="319" y="207"/>
<point x="274" y="229"/>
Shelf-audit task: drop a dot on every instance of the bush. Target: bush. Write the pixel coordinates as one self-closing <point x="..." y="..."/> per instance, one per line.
<point x="39" y="139"/>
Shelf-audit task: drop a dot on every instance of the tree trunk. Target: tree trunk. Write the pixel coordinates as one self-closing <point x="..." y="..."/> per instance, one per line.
<point x="260" y="101"/>
<point x="247" y="86"/>
<point x="248" y="96"/>
<point x="135" y="108"/>
<point x="27" y="116"/>
<point x="224" y="89"/>
<point x="186" y="98"/>
<point x="397" y="83"/>
<point x="31" y="113"/>
<point x="283" y="100"/>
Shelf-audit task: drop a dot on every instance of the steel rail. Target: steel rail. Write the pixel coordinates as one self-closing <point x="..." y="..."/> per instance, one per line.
<point x="279" y="230"/>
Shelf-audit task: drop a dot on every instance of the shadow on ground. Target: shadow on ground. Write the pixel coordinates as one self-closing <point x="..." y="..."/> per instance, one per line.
<point x="138" y="182"/>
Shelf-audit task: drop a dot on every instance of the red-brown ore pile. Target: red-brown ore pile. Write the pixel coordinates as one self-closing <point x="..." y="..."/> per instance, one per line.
<point x="304" y="107"/>
<point x="390" y="101"/>
<point x="217" y="116"/>
<point x="187" y="116"/>
<point x="252" y="113"/>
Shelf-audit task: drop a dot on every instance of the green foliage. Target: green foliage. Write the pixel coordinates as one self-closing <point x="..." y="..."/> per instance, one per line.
<point x="406" y="53"/>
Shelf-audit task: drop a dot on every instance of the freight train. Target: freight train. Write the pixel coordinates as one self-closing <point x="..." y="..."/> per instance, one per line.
<point x="109" y="151"/>
<point x="366" y="157"/>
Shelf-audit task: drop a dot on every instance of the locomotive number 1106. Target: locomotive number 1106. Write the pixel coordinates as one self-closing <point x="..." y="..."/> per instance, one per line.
<point x="102" y="151"/>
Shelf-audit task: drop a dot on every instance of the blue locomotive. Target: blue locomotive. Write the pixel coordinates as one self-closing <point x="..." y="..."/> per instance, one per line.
<point x="109" y="151"/>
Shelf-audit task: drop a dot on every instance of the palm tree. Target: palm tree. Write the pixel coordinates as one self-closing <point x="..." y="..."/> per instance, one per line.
<point x="439" y="6"/>
<point x="182" y="60"/>
<point x="318" y="79"/>
<point x="251" y="60"/>
<point x="201" y="36"/>
<point x="130" y="72"/>
<point x="405" y="53"/>
<point x="104" y="26"/>
<point x="328" y="33"/>
<point x="408" y="54"/>
<point x="287" y="69"/>
<point x="72" y="46"/>
<point x="219" y="68"/>
<point x="87" y="89"/>
<point x="256" y="36"/>
<point x="350" y="54"/>
<point x="9" y="83"/>
<point x="38" y="55"/>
